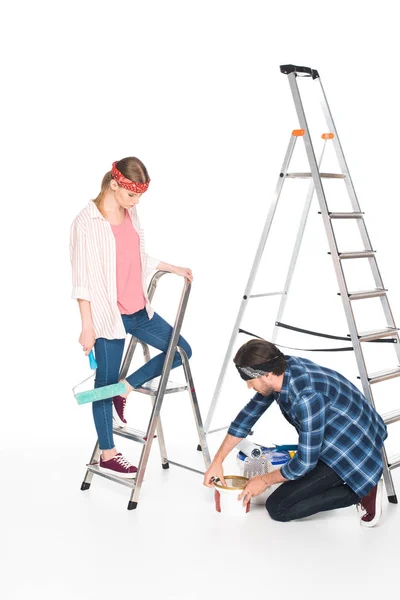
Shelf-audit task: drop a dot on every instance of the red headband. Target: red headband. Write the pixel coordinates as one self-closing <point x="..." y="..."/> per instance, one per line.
<point x="132" y="186"/>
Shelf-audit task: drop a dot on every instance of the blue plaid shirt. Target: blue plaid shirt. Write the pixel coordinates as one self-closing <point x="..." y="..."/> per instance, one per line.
<point x="335" y="423"/>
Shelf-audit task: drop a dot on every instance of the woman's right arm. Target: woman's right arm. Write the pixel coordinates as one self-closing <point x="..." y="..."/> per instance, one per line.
<point x="80" y="289"/>
<point x="87" y="338"/>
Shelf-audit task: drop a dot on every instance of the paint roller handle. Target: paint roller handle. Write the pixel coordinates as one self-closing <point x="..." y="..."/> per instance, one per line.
<point x="302" y="71"/>
<point x="92" y="360"/>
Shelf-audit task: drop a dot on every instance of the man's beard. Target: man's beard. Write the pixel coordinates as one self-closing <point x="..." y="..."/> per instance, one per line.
<point x="267" y="391"/>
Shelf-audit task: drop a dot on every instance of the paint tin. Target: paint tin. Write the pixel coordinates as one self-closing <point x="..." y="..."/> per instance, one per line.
<point x="226" y="497"/>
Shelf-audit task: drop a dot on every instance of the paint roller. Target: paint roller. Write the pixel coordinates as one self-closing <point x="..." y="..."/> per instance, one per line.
<point x="100" y="393"/>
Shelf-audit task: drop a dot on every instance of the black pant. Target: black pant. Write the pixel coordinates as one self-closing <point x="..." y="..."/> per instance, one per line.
<point x="320" y="489"/>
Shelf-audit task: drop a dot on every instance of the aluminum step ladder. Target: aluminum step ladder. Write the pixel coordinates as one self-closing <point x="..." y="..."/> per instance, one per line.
<point x="156" y="389"/>
<point x="358" y="339"/>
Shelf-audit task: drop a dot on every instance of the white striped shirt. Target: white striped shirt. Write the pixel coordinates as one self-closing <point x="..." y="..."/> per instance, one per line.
<point x="94" y="270"/>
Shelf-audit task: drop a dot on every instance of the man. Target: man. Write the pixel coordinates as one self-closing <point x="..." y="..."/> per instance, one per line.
<point x="339" y="460"/>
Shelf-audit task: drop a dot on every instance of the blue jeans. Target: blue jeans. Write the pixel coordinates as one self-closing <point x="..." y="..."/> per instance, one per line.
<point x="156" y="332"/>
<point x="319" y="490"/>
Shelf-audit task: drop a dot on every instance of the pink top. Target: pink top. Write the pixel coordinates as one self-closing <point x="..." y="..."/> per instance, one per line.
<point x="130" y="297"/>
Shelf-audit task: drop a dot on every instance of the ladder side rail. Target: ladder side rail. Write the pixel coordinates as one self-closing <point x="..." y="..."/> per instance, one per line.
<point x="227" y="358"/>
<point x="133" y="342"/>
<point x="160" y="431"/>
<point x="173" y="343"/>
<point x="339" y="152"/>
<point x="154" y="282"/>
<point x="391" y="323"/>
<point x="331" y="239"/>
<point x="350" y="186"/>
<point x="296" y="250"/>
<point x="160" y="438"/>
<point x="89" y="474"/>
<point x="249" y="286"/>
<point x="387" y="476"/>
<point x="356" y="207"/>
<point x="195" y="405"/>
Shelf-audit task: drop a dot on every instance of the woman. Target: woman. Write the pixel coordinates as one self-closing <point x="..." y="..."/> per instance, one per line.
<point x="109" y="271"/>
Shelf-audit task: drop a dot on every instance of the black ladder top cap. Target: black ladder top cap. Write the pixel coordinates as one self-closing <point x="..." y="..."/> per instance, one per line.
<point x="302" y="71"/>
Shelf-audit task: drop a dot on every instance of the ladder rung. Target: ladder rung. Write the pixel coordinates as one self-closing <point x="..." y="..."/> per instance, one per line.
<point x="361" y="254"/>
<point x="176" y="464"/>
<point x="309" y="175"/>
<point x="383" y="375"/>
<point x="343" y="215"/>
<point x="128" y="482"/>
<point x="377" y="334"/>
<point x="367" y="294"/>
<point x="394" y="461"/>
<point x="391" y="417"/>
<point x="268" y="294"/>
<point x="150" y="388"/>
<point x="131" y="434"/>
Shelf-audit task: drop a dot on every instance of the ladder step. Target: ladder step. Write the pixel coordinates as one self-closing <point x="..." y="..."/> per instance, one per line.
<point x="268" y="294"/>
<point x="383" y="375"/>
<point x="343" y="215"/>
<point x="131" y="434"/>
<point x="394" y="462"/>
<point x="391" y="417"/>
<point x="309" y="175"/>
<point x="367" y="294"/>
<point x="362" y="254"/>
<point x="377" y="334"/>
<point x="128" y="482"/>
<point x="150" y="388"/>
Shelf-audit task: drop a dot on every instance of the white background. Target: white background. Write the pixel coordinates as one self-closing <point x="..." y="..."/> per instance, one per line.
<point x="194" y="90"/>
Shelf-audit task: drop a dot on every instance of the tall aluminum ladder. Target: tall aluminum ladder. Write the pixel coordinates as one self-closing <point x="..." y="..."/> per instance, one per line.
<point x="156" y="389"/>
<point x="358" y="339"/>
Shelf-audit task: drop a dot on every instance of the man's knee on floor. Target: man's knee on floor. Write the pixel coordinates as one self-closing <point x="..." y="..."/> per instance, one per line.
<point x="274" y="511"/>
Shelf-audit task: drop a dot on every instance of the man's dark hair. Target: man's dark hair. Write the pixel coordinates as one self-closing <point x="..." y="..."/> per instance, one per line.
<point x="255" y="352"/>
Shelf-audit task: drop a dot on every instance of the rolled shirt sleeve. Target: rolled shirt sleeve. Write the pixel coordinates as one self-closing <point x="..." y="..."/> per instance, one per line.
<point x="309" y="410"/>
<point x="249" y="415"/>
<point x="80" y="285"/>
<point x="151" y="263"/>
